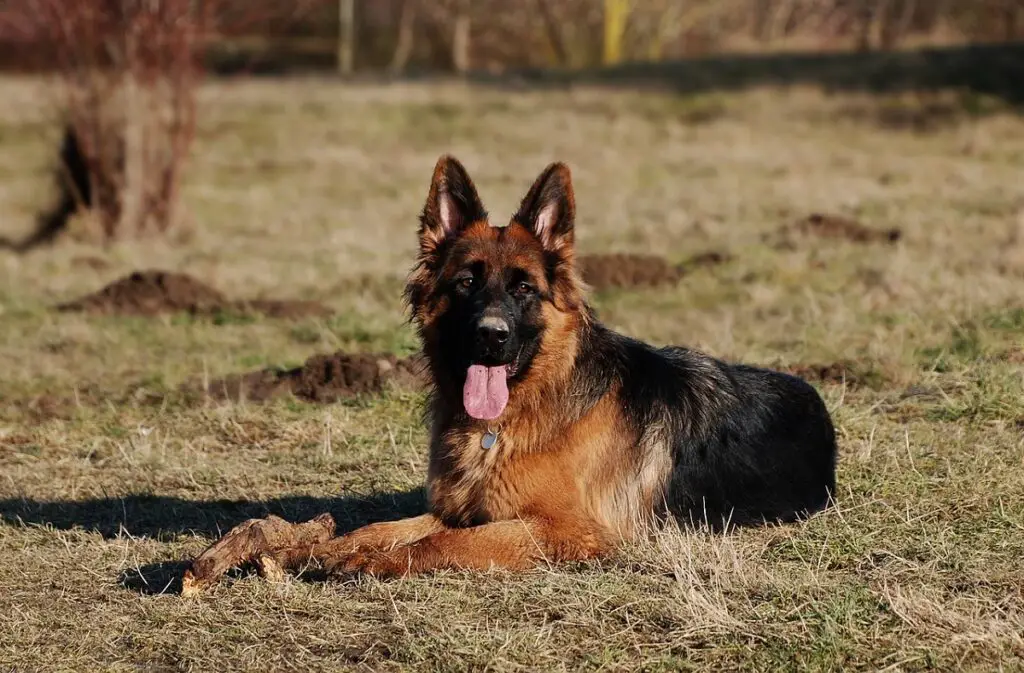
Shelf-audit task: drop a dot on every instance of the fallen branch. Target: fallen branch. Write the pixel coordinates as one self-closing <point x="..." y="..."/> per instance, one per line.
<point x="272" y="544"/>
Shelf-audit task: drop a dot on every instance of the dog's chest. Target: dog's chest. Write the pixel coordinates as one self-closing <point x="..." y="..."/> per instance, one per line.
<point x="482" y="478"/>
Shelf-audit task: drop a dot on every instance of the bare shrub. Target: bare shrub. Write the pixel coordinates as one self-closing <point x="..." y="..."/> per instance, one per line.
<point x="129" y="72"/>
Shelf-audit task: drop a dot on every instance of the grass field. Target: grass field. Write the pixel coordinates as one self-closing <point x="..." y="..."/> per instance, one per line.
<point x="309" y="189"/>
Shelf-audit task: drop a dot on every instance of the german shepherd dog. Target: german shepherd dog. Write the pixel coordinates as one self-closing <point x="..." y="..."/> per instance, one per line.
<point x="554" y="438"/>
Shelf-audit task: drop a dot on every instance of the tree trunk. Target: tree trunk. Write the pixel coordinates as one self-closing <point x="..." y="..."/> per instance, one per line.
<point x="406" y="37"/>
<point x="346" y="36"/>
<point x="554" y="33"/>
<point x="461" y="43"/>
<point x="762" y="27"/>
<point x="134" y="179"/>
<point x="1010" y="18"/>
<point x="866" y="25"/>
<point x="615" y="14"/>
<point x="892" y="21"/>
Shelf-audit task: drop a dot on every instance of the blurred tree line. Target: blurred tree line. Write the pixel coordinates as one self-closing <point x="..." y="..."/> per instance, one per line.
<point x="128" y="71"/>
<point x="460" y="35"/>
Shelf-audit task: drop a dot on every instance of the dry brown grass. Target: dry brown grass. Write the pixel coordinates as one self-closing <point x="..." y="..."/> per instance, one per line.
<point x="309" y="189"/>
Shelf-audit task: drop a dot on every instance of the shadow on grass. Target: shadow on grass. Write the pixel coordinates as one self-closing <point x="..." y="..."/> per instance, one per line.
<point x="993" y="69"/>
<point x="996" y="70"/>
<point x="168" y="517"/>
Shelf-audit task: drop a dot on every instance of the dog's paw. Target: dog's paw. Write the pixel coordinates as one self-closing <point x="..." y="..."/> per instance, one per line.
<point x="379" y="564"/>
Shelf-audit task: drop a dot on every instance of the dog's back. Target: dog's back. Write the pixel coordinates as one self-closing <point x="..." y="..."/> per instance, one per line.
<point x="747" y="445"/>
<point x="770" y="456"/>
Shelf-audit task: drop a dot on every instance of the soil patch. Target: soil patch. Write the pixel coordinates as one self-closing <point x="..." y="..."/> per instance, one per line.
<point x="852" y="374"/>
<point x="280" y="308"/>
<point x="54" y="406"/>
<point x="705" y="259"/>
<point x="90" y="262"/>
<point x="45" y="407"/>
<point x="838" y="227"/>
<point x="151" y="293"/>
<point x="323" y="379"/>
<point x="616" y="270"/>
<point x="1013" y="356"/>
<point x="917" y="117"/>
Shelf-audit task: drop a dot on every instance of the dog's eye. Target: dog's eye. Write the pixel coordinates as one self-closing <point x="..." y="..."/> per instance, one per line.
<point x="523" y="289"/>
<point x="466" y="282"/>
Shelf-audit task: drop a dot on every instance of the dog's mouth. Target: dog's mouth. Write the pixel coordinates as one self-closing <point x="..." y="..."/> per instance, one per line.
<point x="512" y="368"/>
<point x="485" y="393"/>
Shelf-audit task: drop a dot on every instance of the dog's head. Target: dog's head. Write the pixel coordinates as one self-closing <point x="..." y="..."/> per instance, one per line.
<point x="488" y="300"/>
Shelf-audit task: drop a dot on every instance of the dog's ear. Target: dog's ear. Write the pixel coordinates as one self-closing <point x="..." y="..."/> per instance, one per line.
<point x="452" y="204"/>
<point x="549" y="208"/>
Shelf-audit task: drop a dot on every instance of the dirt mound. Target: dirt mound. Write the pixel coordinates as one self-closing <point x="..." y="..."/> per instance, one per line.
<point x="839" y="227"/>
<point x="323" y="378"/>
<point x="151" y="293"/>
<point x="617" y="270"/>
<point x="280" y="308"/>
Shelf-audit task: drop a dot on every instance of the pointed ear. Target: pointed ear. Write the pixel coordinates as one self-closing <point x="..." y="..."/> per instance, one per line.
<point x="452" y="204"/>
<point x="549" y="208"/>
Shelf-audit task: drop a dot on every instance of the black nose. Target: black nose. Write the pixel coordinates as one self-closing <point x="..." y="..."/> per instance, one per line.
<point x="493" y="332"/>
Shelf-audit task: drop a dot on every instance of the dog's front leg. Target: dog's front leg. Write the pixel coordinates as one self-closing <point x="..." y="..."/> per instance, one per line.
<point x="514" y="545"/>
<point x="381" y="536"/>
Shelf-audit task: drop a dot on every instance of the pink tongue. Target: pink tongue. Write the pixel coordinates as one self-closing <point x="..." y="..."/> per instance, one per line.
<point x="486" y="392"/>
